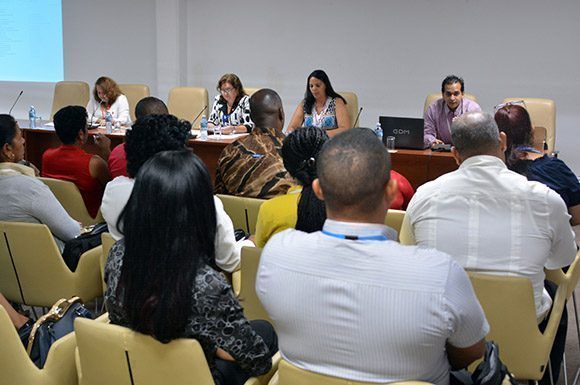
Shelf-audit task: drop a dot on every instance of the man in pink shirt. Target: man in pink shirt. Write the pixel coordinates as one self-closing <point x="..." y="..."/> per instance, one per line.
<point x="441" y="112"/>
<point x="118" y="159"/>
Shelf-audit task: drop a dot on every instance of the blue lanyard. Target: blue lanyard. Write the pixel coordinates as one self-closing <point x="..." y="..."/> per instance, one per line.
<point x="528" y="149"/>
<point x="356" y="237"/>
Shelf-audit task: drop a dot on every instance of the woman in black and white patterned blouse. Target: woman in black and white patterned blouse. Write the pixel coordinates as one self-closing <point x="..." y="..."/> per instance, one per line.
<point x="231" y="108"/>
<point x="162" y="278"/>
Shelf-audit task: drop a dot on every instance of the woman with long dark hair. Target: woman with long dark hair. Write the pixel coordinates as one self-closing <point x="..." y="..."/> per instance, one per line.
<point x="322" y="106"/>
<point x="161" y="279"/>
<point x="299" y="208"/>
<point x="525" y="158"/>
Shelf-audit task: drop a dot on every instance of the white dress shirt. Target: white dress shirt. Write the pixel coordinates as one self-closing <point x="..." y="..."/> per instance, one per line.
<point x="227" y="250"/>
<point x="493" y="220"/>
<point x="366" y="310"/>
<point x="119" y="110"/>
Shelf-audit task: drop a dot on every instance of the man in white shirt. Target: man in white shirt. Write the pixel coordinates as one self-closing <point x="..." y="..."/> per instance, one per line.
<point x="490" y="219"/>
<point x="351" y="302"/>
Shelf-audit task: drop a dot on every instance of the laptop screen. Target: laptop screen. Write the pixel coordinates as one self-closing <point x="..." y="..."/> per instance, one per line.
<point x="408" y="132"/>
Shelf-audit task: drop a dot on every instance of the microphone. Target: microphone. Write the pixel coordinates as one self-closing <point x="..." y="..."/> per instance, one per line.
<point x="198" y="115"/>
<point x="357" y="116"/>
<point x="16" y="101"/>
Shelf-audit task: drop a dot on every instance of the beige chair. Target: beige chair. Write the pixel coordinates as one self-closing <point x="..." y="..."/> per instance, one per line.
<point x="406" y="236"/>
<point x="107" y="242"/>
<point x="435" y="96"/>
<point x="251" y="90"/>
<point x="111" y="354"/>
<point x="68" y="93"/>
<point x="512" y="318"/>
<point x="33" y="272"/>
<point x="187" y="102"/>
<point x="394" y="219"/>
<point x="134" y="93"/>
<point x="351" y="105"/>
<point x="244" y="284"/>
<point x="70" y="198"/>
<point x="543" y="114"/>
<point x="17" y="368"/>
<point x="242" y="211"/>
<point x="289" y="374"/>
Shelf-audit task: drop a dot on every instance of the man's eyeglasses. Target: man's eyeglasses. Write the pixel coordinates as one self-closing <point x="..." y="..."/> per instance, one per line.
<point x="226" y="91"/>
<point x="512" y="103"/>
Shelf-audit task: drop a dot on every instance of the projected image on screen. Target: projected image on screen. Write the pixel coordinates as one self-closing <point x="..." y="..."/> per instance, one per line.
<point x="31" y="40"/>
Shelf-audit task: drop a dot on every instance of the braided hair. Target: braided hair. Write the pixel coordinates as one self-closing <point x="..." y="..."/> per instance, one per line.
<point x="299" y="152"/>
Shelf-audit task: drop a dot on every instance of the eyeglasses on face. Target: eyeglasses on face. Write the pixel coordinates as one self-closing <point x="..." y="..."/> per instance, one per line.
<point x="227" y="91"/>
<point x="508" y="104"/>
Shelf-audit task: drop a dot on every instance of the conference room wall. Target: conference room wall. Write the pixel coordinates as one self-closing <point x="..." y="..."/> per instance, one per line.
<point x="391" y="53"/>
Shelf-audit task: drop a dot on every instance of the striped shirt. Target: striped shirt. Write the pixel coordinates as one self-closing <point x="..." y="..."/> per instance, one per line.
<point x="366" y="310"/>
<point x="253" y="167"/>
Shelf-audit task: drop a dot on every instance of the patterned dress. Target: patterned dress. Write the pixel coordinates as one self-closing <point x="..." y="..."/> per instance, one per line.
<point x="215" y="318"/>
<point x="253" y="167"/>
<point x="327" y="117"/>
<point x="240" y="113"/>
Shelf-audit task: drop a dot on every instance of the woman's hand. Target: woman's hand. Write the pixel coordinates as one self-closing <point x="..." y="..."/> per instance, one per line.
<point x="223" y="355"/>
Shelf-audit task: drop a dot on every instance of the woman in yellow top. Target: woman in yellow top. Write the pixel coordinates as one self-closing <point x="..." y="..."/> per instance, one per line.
<point x="299" y="208"/>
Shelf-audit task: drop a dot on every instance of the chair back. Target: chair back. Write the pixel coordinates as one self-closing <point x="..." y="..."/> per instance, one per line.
<point x="69" y="196"/>
<point x="251" y="90"/>
<point x="508" y="303"/>
<point x="117" y="355"/>
<point x="394" y="219"/>
<point x="17" y="368"/>
<point x="107" y="242"/>
<point x="437" y="95"/>
<point x="134" y="93"/>
<point x="250" y="260"/>
<point x="30" y="254"/>
<point x="242" y="211"/>
<point x="543" y="114"/>
<point x="351" y="105"/>
<point x="69" y="93"/>
<point x="289" y="374"/>
<point x="187" y="102"/>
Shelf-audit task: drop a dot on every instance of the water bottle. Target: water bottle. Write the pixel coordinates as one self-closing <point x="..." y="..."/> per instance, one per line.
<point x="379" y="131"/>
<point x="203" y="128"/>
<point x="109" y="122"/>
<point x="32" y="117"/>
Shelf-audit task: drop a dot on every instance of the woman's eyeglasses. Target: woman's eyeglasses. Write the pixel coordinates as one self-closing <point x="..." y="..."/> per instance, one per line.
<point x="508" y="104"/>
<point x="226" y="91"/>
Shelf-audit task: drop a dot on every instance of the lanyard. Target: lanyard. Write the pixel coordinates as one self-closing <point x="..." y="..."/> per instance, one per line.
<point x="527" y="149"/>
<point x="356" y="237"/>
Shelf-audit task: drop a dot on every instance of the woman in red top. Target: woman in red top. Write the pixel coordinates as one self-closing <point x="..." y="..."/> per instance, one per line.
<point x="69" y="162"/>
<point x="404" y="192"/>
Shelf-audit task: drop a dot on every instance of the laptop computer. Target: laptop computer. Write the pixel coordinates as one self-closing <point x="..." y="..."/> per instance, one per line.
<point x="408" y="132"/>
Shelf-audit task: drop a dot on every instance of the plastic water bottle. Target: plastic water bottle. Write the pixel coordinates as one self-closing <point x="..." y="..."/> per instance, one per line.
<point x="32" y="117"/>
<point x="109" y="122"/>
<point x="203" y="128"/>
<point x="379" y="131"/>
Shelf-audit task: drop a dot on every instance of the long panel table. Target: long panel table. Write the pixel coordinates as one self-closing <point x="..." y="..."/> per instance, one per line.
<point x="418" y="166"/>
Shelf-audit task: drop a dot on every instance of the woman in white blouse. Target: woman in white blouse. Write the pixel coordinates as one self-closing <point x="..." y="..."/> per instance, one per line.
<point x="231" y="108"/>
<point x="107" y="97"/>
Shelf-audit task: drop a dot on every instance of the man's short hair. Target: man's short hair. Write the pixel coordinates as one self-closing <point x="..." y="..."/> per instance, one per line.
<point x="475" y="133"/>
<point x="264" y="105"/>
<point x="353" y="170"/>
<point x="150" y="106"/>
<point x="452" y="79"/>
<point x="68" y="122"/>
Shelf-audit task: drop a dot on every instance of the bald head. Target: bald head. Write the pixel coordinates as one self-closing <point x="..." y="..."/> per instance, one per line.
<point x="475" y="133"/>
<point x="266" y="109"/>
<point x="353" y="170"/>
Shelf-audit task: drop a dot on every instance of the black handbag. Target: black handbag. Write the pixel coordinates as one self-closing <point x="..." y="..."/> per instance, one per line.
<point x="74" y="248"/>
<point x="57" y="323"/>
